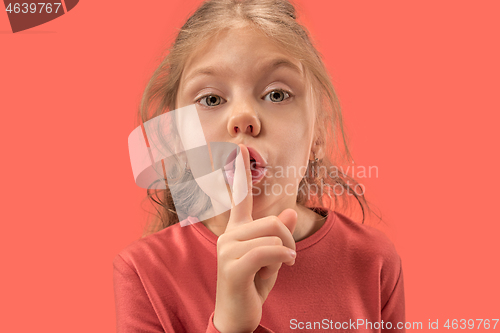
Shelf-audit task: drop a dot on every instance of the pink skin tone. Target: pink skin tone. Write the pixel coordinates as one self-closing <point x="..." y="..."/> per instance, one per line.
<point x="256" y="236"/>
<point x="282" y="132"/>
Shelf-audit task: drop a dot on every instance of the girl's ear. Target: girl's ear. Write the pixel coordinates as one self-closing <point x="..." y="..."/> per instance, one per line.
<point x="317" y="150"/>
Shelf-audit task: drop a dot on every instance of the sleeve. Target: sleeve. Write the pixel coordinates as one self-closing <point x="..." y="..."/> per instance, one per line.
<point x="134" y="311"/>
<point x="394" y="309"/>
<point x="211" y="328"/>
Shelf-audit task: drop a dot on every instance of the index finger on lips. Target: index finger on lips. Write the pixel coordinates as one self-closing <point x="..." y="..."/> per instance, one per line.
<point x="242" y="203"/>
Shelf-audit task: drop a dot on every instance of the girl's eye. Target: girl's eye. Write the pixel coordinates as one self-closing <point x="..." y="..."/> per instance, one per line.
<point x="211" y="100"/>
<point x="277" y="95"/>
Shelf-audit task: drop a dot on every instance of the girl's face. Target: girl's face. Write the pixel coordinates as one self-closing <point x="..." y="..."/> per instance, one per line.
<point x="248" y="90"/>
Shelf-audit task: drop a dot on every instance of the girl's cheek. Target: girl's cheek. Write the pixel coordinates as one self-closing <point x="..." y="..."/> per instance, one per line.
<point x="212" y="128"/>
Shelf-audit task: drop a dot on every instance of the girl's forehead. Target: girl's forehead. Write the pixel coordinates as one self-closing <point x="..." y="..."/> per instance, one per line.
<point x="238" y="46"/>
<point x="246" y="55"/>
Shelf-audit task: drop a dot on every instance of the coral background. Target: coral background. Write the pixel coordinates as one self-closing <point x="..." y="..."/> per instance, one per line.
<point x="419" y="86"/>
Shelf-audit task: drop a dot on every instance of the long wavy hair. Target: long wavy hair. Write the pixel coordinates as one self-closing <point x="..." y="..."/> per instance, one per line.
<point x="278" y="20"/>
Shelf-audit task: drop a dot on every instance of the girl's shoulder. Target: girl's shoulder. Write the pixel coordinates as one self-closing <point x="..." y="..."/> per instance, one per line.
<point x="169" y="244"/>
<point x="363" y="241"/>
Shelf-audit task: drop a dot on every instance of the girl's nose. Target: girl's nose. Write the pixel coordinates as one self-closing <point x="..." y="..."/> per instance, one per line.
<point x="245" y="120"/>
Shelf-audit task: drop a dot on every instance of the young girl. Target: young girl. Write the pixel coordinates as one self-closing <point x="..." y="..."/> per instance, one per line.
<point x="256" y="81"/>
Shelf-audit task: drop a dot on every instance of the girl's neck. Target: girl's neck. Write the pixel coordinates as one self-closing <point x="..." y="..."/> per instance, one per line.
<point x="308" y="222"/>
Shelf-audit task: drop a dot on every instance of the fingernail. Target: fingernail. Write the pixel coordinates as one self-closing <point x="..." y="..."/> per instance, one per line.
<point x="293" y="253"/>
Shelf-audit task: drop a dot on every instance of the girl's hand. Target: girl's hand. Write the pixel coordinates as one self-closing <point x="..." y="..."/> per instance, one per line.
<point x="249" y="255"/>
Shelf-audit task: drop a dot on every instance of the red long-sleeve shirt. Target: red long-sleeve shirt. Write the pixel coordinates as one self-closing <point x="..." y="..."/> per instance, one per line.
<point x="344" y="273"/>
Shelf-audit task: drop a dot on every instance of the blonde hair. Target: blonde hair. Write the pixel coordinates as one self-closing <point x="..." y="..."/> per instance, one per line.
<point x="277" y="19"/>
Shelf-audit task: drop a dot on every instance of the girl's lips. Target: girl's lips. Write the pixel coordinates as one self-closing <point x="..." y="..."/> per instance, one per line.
<point x="259" y="161"/>
<point x="257" y="174"/>
<point x="257" y="166"/>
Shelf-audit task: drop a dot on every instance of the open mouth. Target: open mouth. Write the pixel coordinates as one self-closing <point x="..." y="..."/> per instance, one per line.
<point x="258" y="171"/>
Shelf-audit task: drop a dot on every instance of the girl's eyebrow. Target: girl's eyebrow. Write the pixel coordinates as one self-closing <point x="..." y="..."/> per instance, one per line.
<point x="226" y="71"/>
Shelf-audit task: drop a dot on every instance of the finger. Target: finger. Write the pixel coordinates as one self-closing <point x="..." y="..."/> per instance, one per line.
<point x="235" y="250"/>
<point x="242" y="204"/>
<point x="262" y="256"/>
<point x="289" y="218"/>
<point x="268" y="271"/>
<point x="267" y="226"/>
